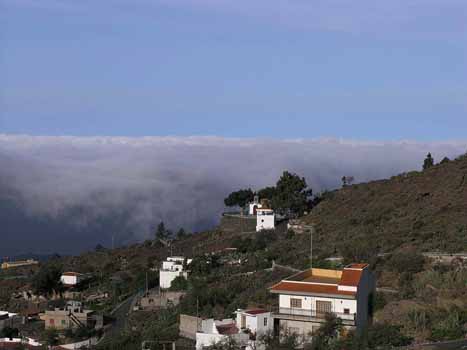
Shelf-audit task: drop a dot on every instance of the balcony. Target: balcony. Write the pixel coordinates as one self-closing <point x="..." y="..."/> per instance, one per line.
<point x="299" y="314"/>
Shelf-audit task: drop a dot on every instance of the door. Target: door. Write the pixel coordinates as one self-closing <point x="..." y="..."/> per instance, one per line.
<point x="243" y="325"/>
<point x="323" y="308"/>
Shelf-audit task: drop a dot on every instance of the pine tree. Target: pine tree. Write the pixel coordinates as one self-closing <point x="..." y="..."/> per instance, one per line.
<point x="161" y="232"/>
<point x="429" y="162"/>
<point x="181" y="233"/>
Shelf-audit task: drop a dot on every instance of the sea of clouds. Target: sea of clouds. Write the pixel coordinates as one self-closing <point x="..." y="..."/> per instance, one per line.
<point x="183" y="180"/>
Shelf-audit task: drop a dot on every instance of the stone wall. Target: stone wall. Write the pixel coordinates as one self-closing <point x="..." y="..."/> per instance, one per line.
<point x="189" y="325"/>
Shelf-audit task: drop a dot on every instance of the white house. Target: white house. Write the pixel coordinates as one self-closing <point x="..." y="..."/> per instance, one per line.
<point x="254" y="206"/>
<point x="214" y="331"/>
<point x="305" y="299"/>
<point x="172" y="268"/>
<point x="73" y="278"/>
<point x="265" y="219"/>
<point x="255" y="321"/>
<point x="8" y="319"/>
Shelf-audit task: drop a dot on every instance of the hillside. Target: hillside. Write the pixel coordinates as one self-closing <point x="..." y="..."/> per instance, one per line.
<point x="401" y="217"/>
<point x="426" y="210"/>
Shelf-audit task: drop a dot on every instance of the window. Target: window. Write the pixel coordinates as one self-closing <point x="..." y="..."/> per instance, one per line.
<point x="265" y="322"/>
<point x="346" y="311"/>
<point x="295" y="303"/>
<point x="323" y="307"/>
<point x="63" y="322"/>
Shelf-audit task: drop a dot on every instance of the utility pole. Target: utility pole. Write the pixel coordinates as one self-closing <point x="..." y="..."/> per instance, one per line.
<point x="198" y="328"/>
<point x="113" y="241"/>
<point x="311" y="245"/>
<point x="147" y="287"/>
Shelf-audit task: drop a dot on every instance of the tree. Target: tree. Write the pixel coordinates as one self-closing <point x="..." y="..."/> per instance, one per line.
<point x="292" y="194"/>
<point x="179" y="283"/>
<point x="239" y="198"/>
<point x="47" y="279"/>
<point x="286" y="341"/>
<point x="181" y="233"/>
<point x="267" y="192"/>
<point x="327" y="334"/>
<point x="428" y="162"/>
<point x="99" y="248"/>
<point x="445" y="160"/>
<point x="161" y="232"/>
<point x="9" y="332"/>
<point x="51" y="337"/>
<point x="382" y="334"/>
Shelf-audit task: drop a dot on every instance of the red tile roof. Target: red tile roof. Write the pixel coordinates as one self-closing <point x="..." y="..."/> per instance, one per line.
<point x="350" y="277"/>
<point x="309" y="288"/>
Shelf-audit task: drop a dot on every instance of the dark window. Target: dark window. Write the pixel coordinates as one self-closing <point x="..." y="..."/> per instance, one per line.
<point x="346" y="311"/>
<point x="295" y="303"/>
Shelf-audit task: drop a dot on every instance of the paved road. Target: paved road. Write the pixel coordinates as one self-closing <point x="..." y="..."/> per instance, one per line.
<point x="455" y="345"/>
<point x="449" y="345"/>
<point x="120" y="313"/>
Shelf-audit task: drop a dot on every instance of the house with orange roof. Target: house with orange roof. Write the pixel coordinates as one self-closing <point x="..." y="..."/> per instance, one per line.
<point x="308" y="296"/>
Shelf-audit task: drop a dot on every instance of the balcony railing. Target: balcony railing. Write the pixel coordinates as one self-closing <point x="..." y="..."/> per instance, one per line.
<point x="315" y="313"/>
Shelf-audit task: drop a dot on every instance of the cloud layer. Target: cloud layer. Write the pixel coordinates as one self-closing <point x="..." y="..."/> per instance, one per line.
<point x="183" y="180"/>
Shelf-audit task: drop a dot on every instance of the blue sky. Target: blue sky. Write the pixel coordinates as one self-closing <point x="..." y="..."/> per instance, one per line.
<point x="260" y="68"/>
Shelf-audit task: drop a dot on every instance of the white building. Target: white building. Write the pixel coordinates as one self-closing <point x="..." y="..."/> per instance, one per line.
<point x="73" y="278"/>
<point x="265" y="219"/>
<point x="19" y="343"/>
<point x="215" y="331"/>
<point x="254" y="206"/>
<point x="255" y="321"/>
<point x="305" y="299"/>
<point x="172" y="268"/>
<point x="8" y="319"/>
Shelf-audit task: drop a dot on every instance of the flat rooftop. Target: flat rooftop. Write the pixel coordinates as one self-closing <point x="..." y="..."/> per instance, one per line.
<point x="317" y="276"/>
<point x="323" y="281"/>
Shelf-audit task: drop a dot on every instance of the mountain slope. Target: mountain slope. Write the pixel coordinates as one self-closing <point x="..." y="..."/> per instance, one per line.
<point x="426" y="210"/>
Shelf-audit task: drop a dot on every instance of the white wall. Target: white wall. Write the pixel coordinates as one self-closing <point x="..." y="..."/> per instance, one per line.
<point x="69" y="280"/>
<point x="251" y="210"/>
<point x="309" y="303"/>
<point x="265" y="222"/>
<point x="172" y="265"/>
<point x="255" y="323"/>
<point x="166" y="277"/>
<point x="205" y="340"/>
